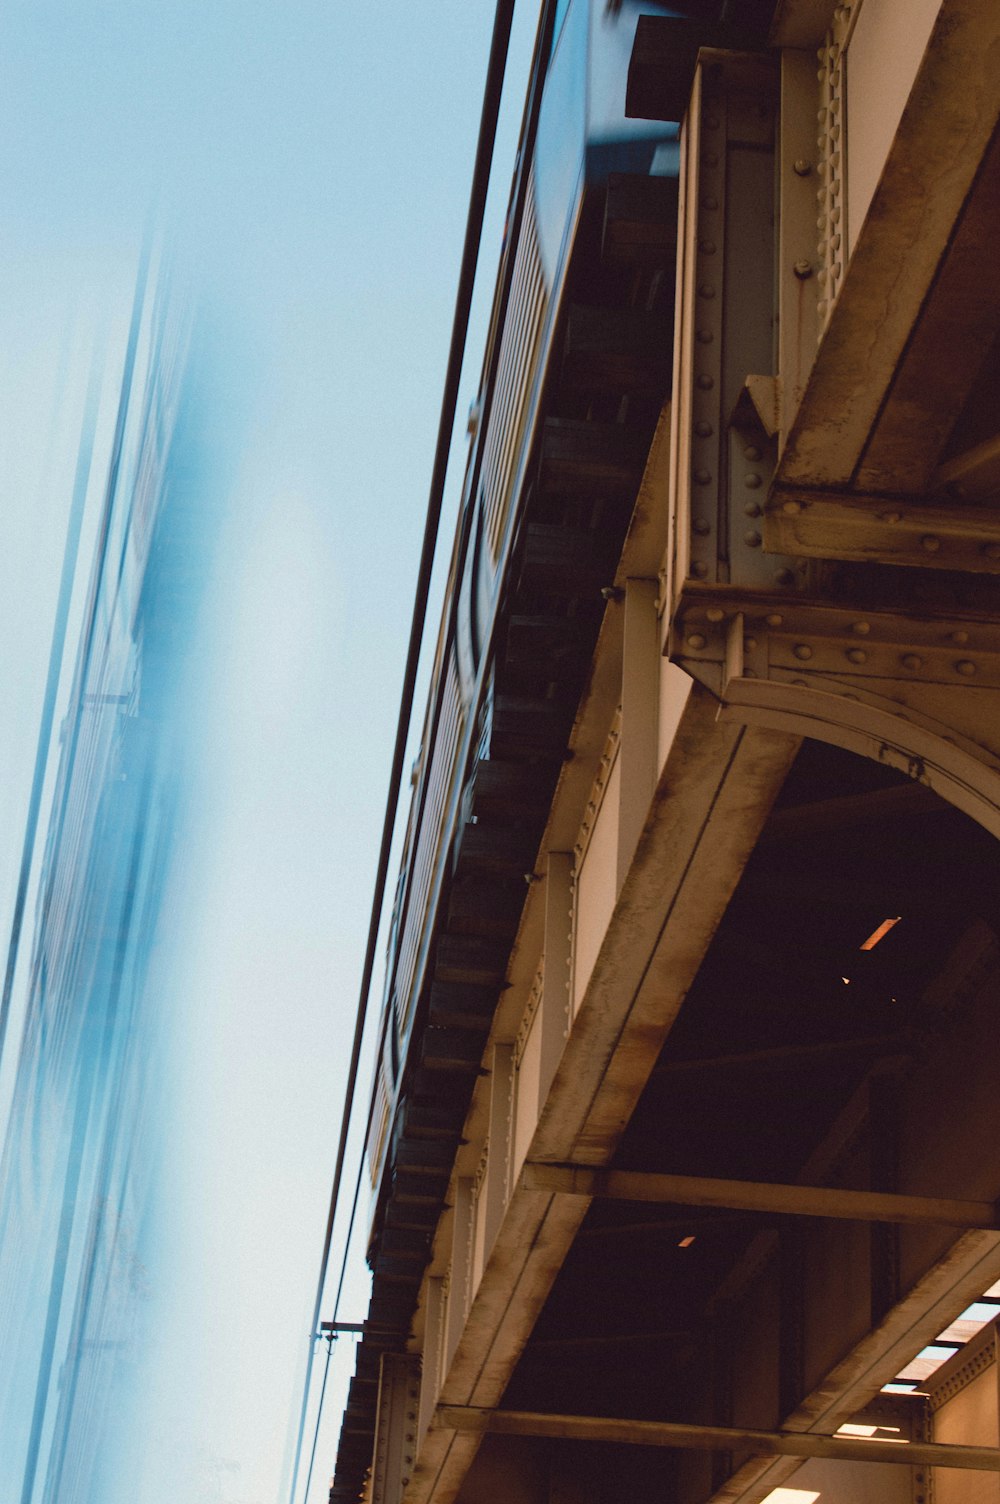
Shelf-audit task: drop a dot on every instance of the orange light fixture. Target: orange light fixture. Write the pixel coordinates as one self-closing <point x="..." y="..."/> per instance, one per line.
<point x="880" y="933"/>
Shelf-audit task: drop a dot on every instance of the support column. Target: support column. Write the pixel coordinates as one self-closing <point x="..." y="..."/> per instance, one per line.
<point x="640" y="704"/>
<point x="791" y="1332"/>
<point x="884" y="1157"/>
<point x="495" y="1187"/>
<point x="430" y="1369"/>
<point x="555" y="1004"/>
<point x="458" y="1284"/>
<point x="722" y="1386"/>
<point x="798" y="177"/>
<point x="395" y="1426"/>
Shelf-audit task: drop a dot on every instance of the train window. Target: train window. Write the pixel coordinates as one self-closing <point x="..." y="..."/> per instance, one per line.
<point x="467" y="634"/>
<point x="477" y="621"/>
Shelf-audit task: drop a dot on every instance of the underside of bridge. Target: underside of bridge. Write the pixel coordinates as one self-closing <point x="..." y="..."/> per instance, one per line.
<point x="695" y="1184"/>
<point x="847" y="1001"/>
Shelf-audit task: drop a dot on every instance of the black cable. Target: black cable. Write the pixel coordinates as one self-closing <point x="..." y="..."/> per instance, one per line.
<point x="492" y="92"/>
<point x="340" y="1282"/>
<point x="487" y="381"/>
<point x="319" y="1413"/>
<point x="343" y="1273"/>
<point x="525" y="155"/>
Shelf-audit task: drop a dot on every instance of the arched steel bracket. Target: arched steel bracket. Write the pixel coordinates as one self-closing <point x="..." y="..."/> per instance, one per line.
<point x="928" y="756"/>
<point x="917" y="693"/>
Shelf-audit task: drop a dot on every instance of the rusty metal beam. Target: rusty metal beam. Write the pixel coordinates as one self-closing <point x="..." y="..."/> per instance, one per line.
<point x="797" y="822"/>
<point x="657" y="1433"/>
<point x="695" y="843"/>
<point x="950" y="341"/>
<point x="946" y="128"/>
<point x="758" y="1196"/>
<point x="959" y="1277"/>
<point x="830" y="524"/>
<point x="973" y="475"/>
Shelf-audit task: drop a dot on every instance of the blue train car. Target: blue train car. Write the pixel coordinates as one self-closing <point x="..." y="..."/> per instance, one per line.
<point x="575" y="375"/>
<point x="575" y="371"/>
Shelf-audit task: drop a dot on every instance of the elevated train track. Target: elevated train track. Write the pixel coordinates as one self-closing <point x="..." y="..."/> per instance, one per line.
<point x="688" y="1103"/>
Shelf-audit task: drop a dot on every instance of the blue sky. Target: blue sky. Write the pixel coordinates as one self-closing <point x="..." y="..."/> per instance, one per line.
<point x="310" y="164"/>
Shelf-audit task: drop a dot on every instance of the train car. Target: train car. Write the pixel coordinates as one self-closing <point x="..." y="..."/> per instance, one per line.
<point x="574" y="375"/>
<point x="574" y="378"/>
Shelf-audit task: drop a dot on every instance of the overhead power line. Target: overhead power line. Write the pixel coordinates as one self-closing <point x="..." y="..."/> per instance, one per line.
<point x="492" y="92"/>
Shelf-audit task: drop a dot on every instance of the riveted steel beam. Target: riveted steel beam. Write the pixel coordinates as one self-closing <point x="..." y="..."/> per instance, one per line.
<point x="882" y="342"/>
<point x="882" y="530"/>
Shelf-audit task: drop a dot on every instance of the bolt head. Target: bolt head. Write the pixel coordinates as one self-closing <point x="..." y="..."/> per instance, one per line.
<point x="966" y="667"/>
<point x="774" y="620"/>
<point x="696" y="640"/>
<point x="752" y="539"/>
<point x="752" y="481"/>
<point x="857" y="655"/>
<point x="861" y="628"/>
<point x="791" y="508"/>
<point x="803" y="270"/>
<point x="912" y="661"/>
<point x="802" y="650"/>
<point x="801" y="167"/>
<point x="715" y="613"/>
<point x="930" y="544"/>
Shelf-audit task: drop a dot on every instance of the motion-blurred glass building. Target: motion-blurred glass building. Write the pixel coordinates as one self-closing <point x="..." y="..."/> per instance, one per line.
<point x="81" y="1211"/>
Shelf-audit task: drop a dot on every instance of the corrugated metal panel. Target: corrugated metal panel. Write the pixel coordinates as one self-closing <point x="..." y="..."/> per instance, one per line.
<point x="515" y="373"/>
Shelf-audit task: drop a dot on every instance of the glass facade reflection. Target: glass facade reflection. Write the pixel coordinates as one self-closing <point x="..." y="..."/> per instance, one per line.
<point x="81" y="1209"/>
